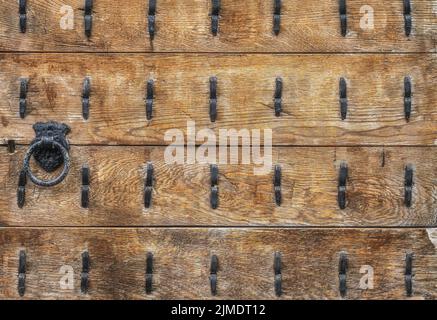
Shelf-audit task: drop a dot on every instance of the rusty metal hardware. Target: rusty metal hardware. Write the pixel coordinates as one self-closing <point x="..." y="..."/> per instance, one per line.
<point x="409" y="173"/>
<point x="409" y="274"/>
<point x="21" y="191"/>
<point x="214" y="186"/>
<point x="22" y="7"/>
<point x="276" y="16"/>
<point x="277" y="265"/>
<point x="149" y="100"/>
<point x="213" y="274"/>
<point x="86" y="92"/>
<point x="21" y="273"/>
<point x="85" y="188"/>
<point x="148" y="186"/>
<point x="407" y="98"/>
<point x="149" y="272"/>
<point x="407" y="17"/>
<point x="215" y="12"/>
<point x="151" y="18"/>
<point x="50" y="150"/>
<point x="278" y="97"/>
<point x="277" y="185"/>
<point x="84" y="276"/>
<point x="23" y="97"/>
<point x="11" y="145"/>
<point x="343" y="17"/>
<point x="342" y="273"/>
<point x="343" y="98"/>
<point x="342" y="178"/>
<point x="213" y="99"/>
<point x="88" y="17"/>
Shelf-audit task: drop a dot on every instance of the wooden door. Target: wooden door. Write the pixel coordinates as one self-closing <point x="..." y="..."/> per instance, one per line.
<point x="337" y="99"/>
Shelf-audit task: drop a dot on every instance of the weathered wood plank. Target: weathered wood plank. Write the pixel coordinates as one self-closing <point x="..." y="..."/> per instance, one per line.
<point x="244" y="26"/>
<point x="246" y="85"/>
<point x="181" y="192"/>
<point x="309" y="268"/>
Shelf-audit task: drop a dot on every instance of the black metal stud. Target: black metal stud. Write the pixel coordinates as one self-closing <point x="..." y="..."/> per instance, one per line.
<point x="85" y="188"/>
<point x="21" y="191"/>
<point x="276" y="16"/>
<point x="408" y="196"/>
<point x="278" y="97"/>
<point x="23" y="15"/>
<point x="214" y="186"/>
<point x="277" y="265"/>
<point x="21" y="273"/>
<point x="86" y="93"/>
<point x="11" y="145"/>
<point x="215" y="12"/>
<point x="407" y="98"/>
<point x="213" y="274"/>
<point x="407" y="17"/>
<point x="409" y="274"/>
<point x="23" y="97"/>
<point x="343" y="98"/>
<point x="84" y="276"/>
<point x="88" y="16"/>
<point x="213" y="99"/>
<point x="342" y="178"/>
<point x="343" y="17"/>
<point x="149" y="100"/>
<point x="342" y="273"/>
<point x="151" y="18"/>
<point x="277" y="185"/>
<point x="148" y="186"/>
<point x="149" y="272"/>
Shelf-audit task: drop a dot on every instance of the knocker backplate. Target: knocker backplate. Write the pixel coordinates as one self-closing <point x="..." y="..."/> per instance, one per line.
<point x="48" y="157"/>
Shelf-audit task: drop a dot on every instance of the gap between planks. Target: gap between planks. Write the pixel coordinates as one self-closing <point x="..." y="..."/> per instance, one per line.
<point x="419" y="227"/>
<point x="379" y="53"/>
<point x="227" y="145"/>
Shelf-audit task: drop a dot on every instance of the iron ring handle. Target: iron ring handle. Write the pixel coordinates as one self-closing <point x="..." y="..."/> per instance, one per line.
<point x="31" y="150"/>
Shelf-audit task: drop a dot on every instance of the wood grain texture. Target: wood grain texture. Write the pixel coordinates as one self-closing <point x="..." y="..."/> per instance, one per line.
<point x="183" y="231"/>
<point x="309" y="270"/>
<point x="244" y="26"/>
<point x="181" y="192"/>
<point x="246" y="84"/>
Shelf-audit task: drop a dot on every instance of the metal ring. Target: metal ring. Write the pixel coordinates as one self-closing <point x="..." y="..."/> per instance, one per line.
<point x="51" y="182"/>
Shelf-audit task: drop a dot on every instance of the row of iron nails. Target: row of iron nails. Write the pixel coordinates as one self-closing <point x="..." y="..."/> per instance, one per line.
<point x="214" y="197"/>
<point x="86" y="95"/>
<point x="213" y="277"/>
<point x="215" y="17"/>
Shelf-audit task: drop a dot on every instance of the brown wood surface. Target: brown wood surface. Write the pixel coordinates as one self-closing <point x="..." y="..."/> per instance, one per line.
<point x="246" y="84"/>
<point x="181" y="192"/>
<point x="244" y="26"/>
<point x="310" y="259"/>
<point x="180" y="228"/>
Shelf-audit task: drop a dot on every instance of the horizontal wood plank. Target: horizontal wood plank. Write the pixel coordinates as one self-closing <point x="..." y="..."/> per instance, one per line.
<point x="246" y="86"/>
<point x="244" y="26"/>
<point x="181" y="192"/>
<point x="181" y="269"/>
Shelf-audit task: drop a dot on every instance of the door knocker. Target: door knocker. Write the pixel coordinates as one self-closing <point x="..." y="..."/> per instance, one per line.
<point x="50" y="150"/>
